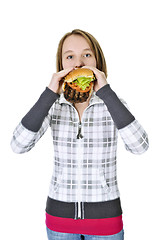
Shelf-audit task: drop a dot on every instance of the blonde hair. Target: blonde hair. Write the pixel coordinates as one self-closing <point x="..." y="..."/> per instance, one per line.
<point x="94" y="45"/>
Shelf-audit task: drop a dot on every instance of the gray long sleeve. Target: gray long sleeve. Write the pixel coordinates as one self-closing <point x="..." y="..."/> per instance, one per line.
<point x="120" y="114"/>
<point x="35" y="117"/>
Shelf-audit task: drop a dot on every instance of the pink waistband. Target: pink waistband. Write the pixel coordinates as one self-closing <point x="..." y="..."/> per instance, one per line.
<point x="104" y="226"/>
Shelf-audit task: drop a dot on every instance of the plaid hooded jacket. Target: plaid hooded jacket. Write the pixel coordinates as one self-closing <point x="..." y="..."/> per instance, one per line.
<point x="84" y="151"/>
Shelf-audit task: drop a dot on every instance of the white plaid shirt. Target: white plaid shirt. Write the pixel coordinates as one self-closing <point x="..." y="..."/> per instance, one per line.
<point x="84" y="168"/>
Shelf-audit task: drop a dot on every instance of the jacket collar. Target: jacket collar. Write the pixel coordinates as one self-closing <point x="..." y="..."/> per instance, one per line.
<point x="93" y="100"/>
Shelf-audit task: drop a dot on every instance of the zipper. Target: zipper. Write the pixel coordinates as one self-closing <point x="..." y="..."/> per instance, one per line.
<point x="80" y="213"/>
<point x="79" y="156"/>
<point x="79" y="135"/>
<point x="79" y="207"/>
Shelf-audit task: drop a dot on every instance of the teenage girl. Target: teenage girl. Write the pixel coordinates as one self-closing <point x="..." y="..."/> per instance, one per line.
<point x="84" y="200"/>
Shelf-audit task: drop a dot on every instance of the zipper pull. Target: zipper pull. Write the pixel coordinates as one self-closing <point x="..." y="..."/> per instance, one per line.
<point x="79" y="135"/>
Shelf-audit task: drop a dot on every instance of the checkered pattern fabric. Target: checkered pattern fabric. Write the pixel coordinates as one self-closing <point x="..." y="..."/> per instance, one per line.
<point x="85" y="168"/>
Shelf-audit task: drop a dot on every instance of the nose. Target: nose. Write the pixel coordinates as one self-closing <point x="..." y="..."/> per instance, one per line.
<point x="79" y="63"/>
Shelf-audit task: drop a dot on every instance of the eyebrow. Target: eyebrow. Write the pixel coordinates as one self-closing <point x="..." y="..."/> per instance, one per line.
<point x="86" y="49"/>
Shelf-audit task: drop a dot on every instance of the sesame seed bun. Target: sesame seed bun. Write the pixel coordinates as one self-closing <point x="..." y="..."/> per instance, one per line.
<point x="79" y="72"/>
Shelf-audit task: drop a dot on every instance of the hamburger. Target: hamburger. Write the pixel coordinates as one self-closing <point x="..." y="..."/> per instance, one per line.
<point x="78" y="85"/>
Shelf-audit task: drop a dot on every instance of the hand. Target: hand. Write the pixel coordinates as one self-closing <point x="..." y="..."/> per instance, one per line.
<point x="100" y="76"/>
<point x="56" y="80"/>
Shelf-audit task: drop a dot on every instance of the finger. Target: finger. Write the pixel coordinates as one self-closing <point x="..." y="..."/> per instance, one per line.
<point x="94" y="69"/>
<point x="64" y="72"/>
<point x="90" y="67"/>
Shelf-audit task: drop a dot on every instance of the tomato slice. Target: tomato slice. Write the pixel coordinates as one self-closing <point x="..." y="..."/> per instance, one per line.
<point x="77" y="88"/>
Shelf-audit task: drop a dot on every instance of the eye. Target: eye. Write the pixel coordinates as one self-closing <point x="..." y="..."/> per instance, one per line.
<point x="87" y="55"/>
<point x="69" y="57"/>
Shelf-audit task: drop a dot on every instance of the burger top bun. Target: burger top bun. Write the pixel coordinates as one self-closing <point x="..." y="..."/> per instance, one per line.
<point x="79" y="72"/>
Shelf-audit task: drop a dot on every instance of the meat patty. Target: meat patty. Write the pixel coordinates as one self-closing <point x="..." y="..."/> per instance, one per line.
<point x="74" y="96"/>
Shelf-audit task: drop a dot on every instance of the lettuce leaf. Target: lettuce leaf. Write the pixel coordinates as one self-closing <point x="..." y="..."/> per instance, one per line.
<point x="83" y="82"/>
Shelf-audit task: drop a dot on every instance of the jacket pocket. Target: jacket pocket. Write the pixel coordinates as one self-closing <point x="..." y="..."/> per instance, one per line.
<point x="103" y="181"/>
<point x="57" y="181"/>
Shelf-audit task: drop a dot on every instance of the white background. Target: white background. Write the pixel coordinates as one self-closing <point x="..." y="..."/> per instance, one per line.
<point x="30" y="31"/>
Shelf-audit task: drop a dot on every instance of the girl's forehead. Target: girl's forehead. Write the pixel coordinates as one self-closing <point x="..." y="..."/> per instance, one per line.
<point x="75" y="42"/>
